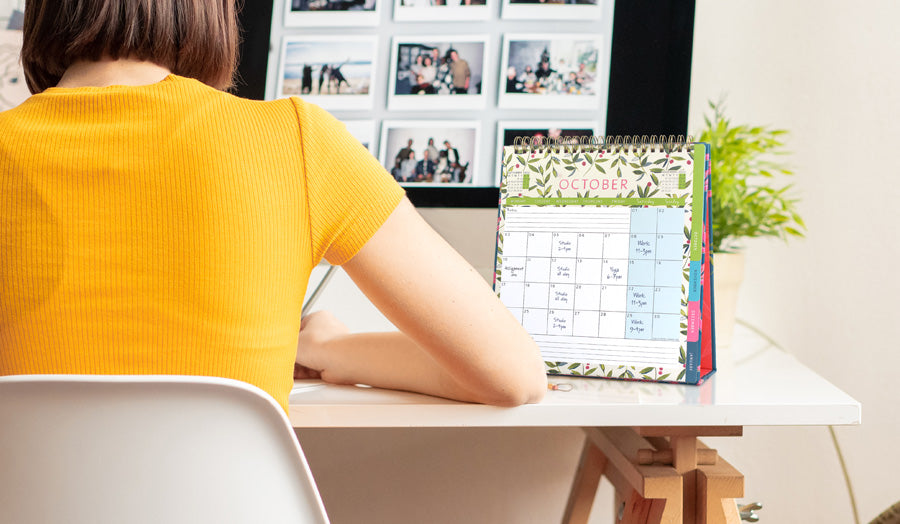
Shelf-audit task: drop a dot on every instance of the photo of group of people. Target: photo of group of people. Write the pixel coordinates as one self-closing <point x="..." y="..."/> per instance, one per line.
<point x="430" y="152"/>
<point x="444" y="10"/>
<point x="541" y="133"/>
<point x="451" y="68"/>
<point x="552" y="9"/>
<point x="439" y="3"/>
<point x="332" y="5"/>
<point x="537" y="133"/>
<point x="299" y="13"/>
<point x="560" y="69"/>
<point x="334" y="72"/>
<point x="364" y="131"/>
<point x="13" y="89"/>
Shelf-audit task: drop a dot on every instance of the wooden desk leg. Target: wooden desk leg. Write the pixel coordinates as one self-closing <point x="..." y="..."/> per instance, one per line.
<point x="684" y="460"/>
<point x="710" y="486"/>
<point x="639" y="510"/>
<point x="584" y="488"/>
<point x="717" y="487"/>
<point x="651" y="492"/>
<point x="679" y="480"/>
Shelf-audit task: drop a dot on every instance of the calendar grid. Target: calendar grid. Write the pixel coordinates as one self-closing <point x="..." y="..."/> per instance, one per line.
<point x="600" y="283"/>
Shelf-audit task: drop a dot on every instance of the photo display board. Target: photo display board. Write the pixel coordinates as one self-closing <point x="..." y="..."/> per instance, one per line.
<point x="459" y="79"/>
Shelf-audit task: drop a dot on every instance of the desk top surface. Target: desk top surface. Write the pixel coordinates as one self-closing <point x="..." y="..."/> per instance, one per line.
<point x="763" y="387"/>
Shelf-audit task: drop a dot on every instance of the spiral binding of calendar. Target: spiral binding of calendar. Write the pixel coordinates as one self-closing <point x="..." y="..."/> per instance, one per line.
<point x="609" y="143"/>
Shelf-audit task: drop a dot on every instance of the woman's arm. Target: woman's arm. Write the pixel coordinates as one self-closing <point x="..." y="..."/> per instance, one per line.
<point x="456" y="339"/>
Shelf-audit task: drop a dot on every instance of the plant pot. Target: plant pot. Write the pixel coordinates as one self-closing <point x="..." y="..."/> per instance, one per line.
<point x="728" y="273"/>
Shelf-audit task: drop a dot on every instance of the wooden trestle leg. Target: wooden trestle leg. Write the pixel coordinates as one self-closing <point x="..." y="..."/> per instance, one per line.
<point x="658" y="480"/>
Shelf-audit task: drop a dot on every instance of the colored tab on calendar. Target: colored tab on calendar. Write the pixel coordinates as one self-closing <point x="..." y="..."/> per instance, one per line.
<point x="695" y="284"/>
<point x="693" y="321"/>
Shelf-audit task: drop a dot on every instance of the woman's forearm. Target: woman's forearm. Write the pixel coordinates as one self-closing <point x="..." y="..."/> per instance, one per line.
<point x="393" y="360"/>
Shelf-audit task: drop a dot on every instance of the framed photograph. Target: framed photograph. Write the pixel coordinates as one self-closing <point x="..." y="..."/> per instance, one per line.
<point x="552" y="9"/>
<point x="13" y="89"/>
<point x="335" y="72"/>
<point x="441" y="10"/>
<point x="539" y="131"/>
<point x="364" y="131"/>
<point x="445" y="72"/>
<point x="437" y="153"/>
<point x="331" y="13"/>
<point x="551" y="72"/>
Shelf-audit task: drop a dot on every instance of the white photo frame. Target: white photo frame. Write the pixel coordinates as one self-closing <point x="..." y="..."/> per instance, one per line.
<point x="364" y="131"/>
<point x="462" y="135"/>
<point x="307" y="65"/>
<point x="556" y="89"/>
<point x="538" y="10"/>
<point x="402" y="94"/>
<point x="573" y="128"/>
<point x="13" y="89"/>
<point x="426" y="10"/>
<point x="322" y="13"/>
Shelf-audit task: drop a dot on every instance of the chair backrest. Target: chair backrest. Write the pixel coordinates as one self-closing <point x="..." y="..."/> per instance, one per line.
<point x="149" y="449"/>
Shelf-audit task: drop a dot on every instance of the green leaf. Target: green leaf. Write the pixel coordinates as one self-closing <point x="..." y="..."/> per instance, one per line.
<point x="749" y="196"/>
<point x="574" y="366"/>
<point x="681" y="375"/>
<point x="647" y="370"/>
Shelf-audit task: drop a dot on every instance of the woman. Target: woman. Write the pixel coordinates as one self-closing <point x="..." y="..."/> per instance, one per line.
<point x="408" y="168"/>
<point x="151" y="223"/>
<point x="428" y="71"/>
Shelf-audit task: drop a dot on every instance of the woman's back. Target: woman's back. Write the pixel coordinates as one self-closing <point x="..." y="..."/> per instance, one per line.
<point x="171" y="228"/>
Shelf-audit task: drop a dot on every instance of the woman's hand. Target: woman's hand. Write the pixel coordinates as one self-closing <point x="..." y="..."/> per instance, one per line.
<point x="316" y="330"/>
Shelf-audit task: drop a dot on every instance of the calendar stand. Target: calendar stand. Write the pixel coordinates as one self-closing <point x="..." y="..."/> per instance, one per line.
<point x="661" y="475"/>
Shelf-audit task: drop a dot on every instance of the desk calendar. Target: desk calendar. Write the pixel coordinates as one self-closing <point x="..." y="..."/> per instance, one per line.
<point x="602" y="255"/>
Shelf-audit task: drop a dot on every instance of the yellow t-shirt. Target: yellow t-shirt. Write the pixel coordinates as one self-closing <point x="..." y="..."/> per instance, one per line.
<point x="172" y="228"/>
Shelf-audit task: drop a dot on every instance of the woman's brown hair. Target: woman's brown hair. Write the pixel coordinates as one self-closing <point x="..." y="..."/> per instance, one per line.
<point x="192" y="38"/>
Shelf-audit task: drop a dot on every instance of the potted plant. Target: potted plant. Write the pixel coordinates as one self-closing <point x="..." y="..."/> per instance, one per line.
<point x="748" y="201"/>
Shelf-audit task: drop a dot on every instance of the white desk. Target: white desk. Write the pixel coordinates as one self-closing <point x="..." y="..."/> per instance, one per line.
<point x="765" y="387"/>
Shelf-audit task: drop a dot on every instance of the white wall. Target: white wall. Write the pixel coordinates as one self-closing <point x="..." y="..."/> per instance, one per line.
<point x="827" y="71"/>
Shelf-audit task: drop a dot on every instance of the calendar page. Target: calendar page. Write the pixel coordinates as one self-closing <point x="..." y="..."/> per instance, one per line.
<point x="596" y="254"/>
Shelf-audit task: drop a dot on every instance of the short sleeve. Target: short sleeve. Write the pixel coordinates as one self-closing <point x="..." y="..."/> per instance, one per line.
<point x="349" y="193"/>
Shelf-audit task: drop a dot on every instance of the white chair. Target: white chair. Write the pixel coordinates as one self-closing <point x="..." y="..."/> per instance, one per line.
<point x="149" y="449"/>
